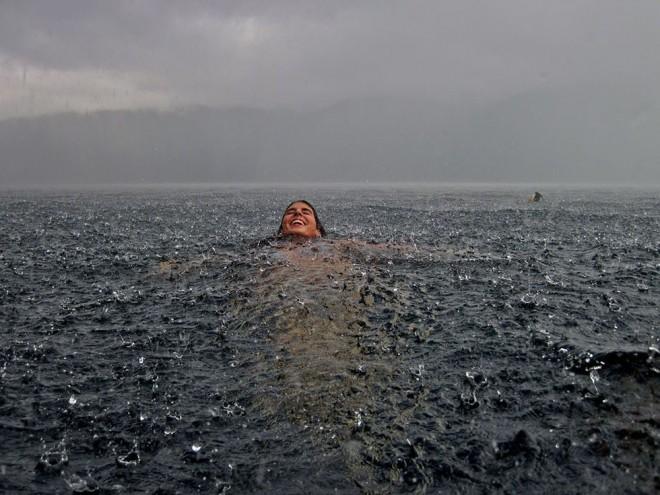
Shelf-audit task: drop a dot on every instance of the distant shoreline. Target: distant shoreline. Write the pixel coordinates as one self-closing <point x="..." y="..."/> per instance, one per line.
<point x="316" y="186"/>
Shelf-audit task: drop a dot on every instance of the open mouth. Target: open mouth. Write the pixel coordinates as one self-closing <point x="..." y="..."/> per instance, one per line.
<point x="297" y="222"/>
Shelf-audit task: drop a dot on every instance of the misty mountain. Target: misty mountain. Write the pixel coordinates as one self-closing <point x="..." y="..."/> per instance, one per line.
<point x="587" y="136"/>
<point x="602" y="135"/>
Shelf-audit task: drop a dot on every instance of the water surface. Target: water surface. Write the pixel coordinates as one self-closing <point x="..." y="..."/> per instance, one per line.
<point x="449" y="340"/>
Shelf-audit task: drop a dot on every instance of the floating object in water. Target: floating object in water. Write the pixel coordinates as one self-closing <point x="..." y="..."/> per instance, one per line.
<point x="535" y="198"/>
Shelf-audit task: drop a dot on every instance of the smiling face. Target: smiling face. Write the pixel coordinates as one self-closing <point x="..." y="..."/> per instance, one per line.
<point x="299" y="219"/>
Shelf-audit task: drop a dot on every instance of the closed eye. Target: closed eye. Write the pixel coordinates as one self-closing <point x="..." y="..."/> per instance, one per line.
<point x="304" y="211"/>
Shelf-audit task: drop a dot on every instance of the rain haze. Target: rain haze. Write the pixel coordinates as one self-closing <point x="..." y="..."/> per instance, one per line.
<point x="95" y="92"/>
<point x="469" y="306"/>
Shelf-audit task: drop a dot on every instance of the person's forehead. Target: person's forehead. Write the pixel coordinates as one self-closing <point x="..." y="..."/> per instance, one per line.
<point x="300" y="204"/>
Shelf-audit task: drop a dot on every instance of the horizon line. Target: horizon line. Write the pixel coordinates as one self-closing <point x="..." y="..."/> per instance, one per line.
<point x="364" y="184"/>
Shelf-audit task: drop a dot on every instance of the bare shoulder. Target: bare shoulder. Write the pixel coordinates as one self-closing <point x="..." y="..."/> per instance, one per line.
<point x="380" y="246"/>
<point x="373" y="250"/>
<point x="173" y="268"/>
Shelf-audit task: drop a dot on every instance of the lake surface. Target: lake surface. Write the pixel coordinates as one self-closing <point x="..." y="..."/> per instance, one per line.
<point x="448" y="340"/>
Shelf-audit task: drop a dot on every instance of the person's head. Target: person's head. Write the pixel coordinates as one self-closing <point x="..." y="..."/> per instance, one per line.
<point x="300" y="219"/>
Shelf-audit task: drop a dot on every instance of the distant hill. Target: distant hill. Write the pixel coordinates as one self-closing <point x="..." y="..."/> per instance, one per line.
<point x="592" y="136"/>
<point x="587" y="136"/>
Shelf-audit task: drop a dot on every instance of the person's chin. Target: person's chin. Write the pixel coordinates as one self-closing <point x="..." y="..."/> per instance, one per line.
<point x="300" y="233"/>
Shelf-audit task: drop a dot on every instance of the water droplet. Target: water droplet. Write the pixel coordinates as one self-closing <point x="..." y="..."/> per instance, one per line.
<point x="73" y="400"/>
<point x="78" y="484"/>
<point x="130" y="459"/>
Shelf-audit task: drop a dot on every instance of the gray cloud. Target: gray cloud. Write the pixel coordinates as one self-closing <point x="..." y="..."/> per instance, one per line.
<point x="330" y="90"/>
<point x="306" y="53"/>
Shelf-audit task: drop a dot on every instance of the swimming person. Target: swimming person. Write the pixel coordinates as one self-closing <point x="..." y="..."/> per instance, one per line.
<point x="320" y="328"/>
<point x="299" y="222"/>
<point x="300" y="219"/>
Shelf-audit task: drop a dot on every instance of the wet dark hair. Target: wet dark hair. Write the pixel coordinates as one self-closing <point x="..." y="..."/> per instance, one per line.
<point x="319" y="225"/>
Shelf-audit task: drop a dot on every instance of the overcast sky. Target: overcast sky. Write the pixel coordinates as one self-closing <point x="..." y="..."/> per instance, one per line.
<point x="87" y="55"/>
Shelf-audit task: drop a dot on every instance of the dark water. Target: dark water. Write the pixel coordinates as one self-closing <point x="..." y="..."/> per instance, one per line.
<point x="484" y="345"/>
